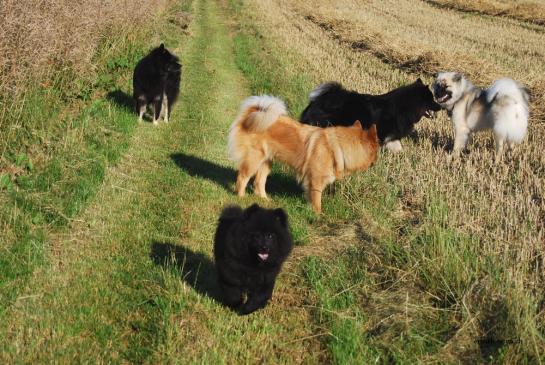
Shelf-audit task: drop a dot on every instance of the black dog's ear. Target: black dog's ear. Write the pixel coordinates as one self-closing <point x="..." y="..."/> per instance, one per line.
<point x="419" y="81"/>
<point x="281" y="216"/>
<point x="457" y="77"/>
<point x="251" y="210"/>
<point x="231" y="212"/>
<point x="162" y="46"/>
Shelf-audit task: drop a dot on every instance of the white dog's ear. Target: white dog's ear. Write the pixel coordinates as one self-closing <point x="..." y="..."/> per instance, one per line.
<point x="457" y="77"/>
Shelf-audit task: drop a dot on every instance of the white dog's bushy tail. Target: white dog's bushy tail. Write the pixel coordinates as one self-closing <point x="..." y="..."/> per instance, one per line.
<point x="510" y="105"/>
<point x="257" y="114"/>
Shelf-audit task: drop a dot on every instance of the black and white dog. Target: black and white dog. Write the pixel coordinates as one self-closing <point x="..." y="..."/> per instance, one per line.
<point x="395" y="113"/>
<point x="156" y="81"/>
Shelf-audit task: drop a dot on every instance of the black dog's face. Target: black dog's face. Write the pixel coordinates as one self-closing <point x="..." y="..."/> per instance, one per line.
<point x="262" y="245"/>
<point x="266" y="232"/>
<point x="426" y="100"/>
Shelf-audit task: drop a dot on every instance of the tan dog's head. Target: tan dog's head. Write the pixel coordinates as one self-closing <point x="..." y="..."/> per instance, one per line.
<point x="370" y="134"/>
<point x="368" y="139"/>
<point x="448" y="88"/>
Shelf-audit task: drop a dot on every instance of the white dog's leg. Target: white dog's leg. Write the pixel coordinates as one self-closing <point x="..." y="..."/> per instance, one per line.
<point x="394" y="146"/>
<point x="460" y="141"/>
<point x="511" y="145"/>
<point x="499" y="148"/>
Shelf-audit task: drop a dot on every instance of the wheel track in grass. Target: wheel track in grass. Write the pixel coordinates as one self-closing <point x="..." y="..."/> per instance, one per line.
<point x="131" y="279"/>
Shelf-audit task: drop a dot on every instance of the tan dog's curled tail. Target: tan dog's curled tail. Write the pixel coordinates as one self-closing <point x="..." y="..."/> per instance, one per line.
<point x="257" y="114"/>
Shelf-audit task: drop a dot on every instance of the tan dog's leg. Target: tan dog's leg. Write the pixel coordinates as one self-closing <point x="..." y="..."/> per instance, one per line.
<point x="315" y="194"/>
<point x="247" y="169"/>
<point x="261" y="179"/>
<point x="316" y="200"/>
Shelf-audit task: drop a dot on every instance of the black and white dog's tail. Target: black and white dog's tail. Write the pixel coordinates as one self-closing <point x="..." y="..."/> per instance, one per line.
<point x="324" y="102"/>
<point x="325" y="88"/>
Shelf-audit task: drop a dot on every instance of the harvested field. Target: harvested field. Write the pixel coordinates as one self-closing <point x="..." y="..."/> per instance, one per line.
<point x="528" y="11"/>
<point x="499" y="210"/>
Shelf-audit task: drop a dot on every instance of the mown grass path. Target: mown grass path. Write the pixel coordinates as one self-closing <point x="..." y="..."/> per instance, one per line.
<point x="132" y="278"/>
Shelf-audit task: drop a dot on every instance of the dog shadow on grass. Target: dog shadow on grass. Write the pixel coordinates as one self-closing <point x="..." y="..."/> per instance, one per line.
<point x="277" y="184"/>
<point x="195" y="268"/>
<point x="121" y="99"/>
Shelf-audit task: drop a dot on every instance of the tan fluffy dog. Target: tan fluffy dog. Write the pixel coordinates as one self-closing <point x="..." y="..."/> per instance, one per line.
<point x="263" y="132"/>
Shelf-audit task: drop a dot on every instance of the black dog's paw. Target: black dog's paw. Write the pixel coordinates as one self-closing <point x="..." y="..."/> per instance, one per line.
<point x="246" y="309"/>
<point x="256" y="301"/>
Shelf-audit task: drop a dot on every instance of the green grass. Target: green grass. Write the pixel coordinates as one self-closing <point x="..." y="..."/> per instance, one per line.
<point x="132" y="279"/>
<point x="334" y="283"/>
<point x="61" y="150"/>
<point x="69" y="137"/>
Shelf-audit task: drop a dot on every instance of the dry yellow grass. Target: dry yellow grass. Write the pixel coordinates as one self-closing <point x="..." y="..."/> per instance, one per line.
<point x="529" y="11"/>
<point x="376" y="45"/>
<point x="40" y="37"/>
<point x="50" y="53"/>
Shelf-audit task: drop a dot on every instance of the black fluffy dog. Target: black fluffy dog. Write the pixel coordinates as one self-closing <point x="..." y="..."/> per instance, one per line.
<point x="156" y="81"/>
<point x="249" y="249"/>
<point x="395" y="113"/>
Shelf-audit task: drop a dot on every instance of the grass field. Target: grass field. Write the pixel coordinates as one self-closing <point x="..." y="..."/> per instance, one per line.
<point x="107" y="225"/>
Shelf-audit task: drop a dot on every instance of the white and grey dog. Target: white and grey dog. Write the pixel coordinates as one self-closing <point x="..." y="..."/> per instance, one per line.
<point x="503" y="107"/>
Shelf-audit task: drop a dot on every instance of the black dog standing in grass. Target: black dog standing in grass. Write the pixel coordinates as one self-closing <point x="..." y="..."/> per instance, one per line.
<point x="249" y="249"/>
<point x="156" y="81"/>
<point x="394" y="113"/>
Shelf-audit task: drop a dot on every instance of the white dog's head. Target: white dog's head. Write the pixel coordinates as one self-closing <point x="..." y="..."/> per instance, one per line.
<point x="448" y="88"/>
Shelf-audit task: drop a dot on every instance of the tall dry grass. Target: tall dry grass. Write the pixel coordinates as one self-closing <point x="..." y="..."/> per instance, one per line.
<point x="50" y="52"/>
<point x="41" y="38"/>
<point x="473" y="230"/>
